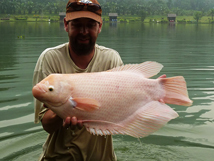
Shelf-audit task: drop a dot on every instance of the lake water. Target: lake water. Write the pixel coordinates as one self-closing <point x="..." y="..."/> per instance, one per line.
<point x="183" y="49"/>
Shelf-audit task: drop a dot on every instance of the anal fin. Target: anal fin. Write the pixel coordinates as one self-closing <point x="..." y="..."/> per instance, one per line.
<point x="141" y="123"/>
<point x="148" y="119"/>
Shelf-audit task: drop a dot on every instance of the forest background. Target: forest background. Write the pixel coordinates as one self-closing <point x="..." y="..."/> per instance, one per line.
<point x="148" y="10"/>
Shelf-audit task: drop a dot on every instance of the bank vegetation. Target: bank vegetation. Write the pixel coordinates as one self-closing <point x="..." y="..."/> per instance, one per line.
<point x="187" y="11"/>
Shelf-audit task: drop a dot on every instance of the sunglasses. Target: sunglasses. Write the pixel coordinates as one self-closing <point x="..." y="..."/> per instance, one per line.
<point x="78" y="6"/>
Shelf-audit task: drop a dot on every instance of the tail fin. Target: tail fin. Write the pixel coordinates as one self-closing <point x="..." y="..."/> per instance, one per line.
<point x="176" y="91"/>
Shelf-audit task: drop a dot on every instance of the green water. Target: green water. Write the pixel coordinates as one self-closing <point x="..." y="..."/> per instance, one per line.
<point x="186" y="50"/>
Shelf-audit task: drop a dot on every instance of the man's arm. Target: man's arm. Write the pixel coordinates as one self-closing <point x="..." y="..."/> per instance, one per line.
<point x="51" y="122"/>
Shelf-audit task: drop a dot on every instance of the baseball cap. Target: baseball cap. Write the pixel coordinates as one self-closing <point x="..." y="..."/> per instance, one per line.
<point x="83" y="9"/>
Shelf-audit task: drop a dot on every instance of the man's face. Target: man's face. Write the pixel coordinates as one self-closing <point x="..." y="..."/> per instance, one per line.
<point x="82" y="34"/>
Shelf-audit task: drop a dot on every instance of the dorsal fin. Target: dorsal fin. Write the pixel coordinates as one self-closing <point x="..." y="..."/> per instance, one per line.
<point x="148" y="68"/>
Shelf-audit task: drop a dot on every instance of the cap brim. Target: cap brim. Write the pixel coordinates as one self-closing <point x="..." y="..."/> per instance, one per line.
<point x="83" y="14"/>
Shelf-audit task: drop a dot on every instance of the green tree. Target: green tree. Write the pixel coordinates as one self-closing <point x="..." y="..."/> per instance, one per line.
<point x="132" y="9"/>
<point x="143" y="15"/>
<point x="2" y="6"/>
<point x="61" y="6"/>
<point x="19" y="8"/>
<point x="23" y="7"/>
<point x="113" y="7"/>
<point x="38" y="8"/>
<point x="211" y="12"/>
<point x="106" y="8"/>
<point x="197" y="15"/>
<point x="122" y="7"/>
<point x="29" y="6"/>
<point x="169" y="4"/>
<point x="56" y="8"/>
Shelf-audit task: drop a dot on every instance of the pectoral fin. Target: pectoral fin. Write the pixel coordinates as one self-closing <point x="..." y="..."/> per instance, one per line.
<point x="85" y="104"/>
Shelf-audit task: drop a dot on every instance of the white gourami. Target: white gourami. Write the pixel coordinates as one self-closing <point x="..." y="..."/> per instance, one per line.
<point x="129" y="102"/>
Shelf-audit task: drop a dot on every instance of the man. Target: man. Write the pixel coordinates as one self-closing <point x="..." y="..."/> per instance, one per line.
<point x="83" y="23"/>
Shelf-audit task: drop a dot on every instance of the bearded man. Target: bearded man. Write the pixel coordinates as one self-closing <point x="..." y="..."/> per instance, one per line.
<point x="67" y="139"/>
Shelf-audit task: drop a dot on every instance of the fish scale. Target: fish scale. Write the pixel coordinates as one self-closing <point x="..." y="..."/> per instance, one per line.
<point x="119" y="101"/>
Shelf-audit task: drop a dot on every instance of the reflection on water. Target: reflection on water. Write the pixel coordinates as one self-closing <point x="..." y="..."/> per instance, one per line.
<point x="183" y="49"/>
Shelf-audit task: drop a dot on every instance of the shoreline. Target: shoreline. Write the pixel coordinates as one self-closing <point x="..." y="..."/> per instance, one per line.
<point x="121" y="19"/>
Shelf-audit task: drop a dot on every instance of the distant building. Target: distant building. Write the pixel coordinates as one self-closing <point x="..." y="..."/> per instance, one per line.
<point x="61" y="15"/>
<point x="171" y="17"/>
<point x="113" y="16"/>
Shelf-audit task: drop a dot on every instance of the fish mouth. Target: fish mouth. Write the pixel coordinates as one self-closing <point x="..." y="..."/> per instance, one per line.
<point x="38" y="90"/>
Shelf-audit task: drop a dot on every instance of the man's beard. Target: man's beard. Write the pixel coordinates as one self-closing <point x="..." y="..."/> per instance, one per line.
<point x="80" y="48"/>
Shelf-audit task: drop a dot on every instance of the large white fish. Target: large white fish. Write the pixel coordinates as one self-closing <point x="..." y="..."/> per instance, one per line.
<point x="120" y="101"/>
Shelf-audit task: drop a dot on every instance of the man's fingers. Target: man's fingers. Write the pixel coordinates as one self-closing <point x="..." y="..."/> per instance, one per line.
<point x="72" y="123"/>
<point x="67" y="122"/>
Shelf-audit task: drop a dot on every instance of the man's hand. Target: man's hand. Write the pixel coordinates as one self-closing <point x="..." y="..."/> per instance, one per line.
<point x="52" y="122"/>
<point x="72" y="123"/>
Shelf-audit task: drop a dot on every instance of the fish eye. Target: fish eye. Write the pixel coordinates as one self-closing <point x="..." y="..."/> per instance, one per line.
<point x="51" y="88"/>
